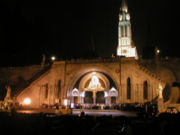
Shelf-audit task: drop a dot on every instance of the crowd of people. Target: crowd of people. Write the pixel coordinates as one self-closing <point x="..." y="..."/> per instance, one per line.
<point x="135" y="107"/>
<point x="42" y="123"/>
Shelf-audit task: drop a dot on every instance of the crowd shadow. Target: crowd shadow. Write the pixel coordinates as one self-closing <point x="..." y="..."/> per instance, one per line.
<point x="51" y="124"/>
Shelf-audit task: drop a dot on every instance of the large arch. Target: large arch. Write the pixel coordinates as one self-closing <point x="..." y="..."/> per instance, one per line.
<point x="84" y="74"/>
<point x="77" y="74"/>
<point x="86" y="78"/>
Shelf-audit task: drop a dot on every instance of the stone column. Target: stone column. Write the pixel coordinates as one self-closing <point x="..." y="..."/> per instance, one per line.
<point x="94" y="97"/>
<point x="82" y="100"/>
<point x="107" y="100"/>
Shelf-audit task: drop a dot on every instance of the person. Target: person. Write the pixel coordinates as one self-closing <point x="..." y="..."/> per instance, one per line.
<point x="82" y="113"/>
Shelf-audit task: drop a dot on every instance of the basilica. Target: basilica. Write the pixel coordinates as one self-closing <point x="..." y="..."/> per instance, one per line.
<point x="124" y="78"/>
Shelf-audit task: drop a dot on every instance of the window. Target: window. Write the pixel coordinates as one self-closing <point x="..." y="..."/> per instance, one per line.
<point x="125" y="30"/>
<point x="128" y="88"/>
<point x="145" y="90"/>
<point x="122" y="31"/>
<point x="58" y="88"/>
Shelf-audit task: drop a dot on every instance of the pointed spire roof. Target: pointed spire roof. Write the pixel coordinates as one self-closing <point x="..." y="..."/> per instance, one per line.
<point x="124" y="6"/>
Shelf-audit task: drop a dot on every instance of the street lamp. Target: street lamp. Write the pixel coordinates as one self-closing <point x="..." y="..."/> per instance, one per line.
<point x="157" y="51"/>
<point x="53" y="58"/>
<point x="27" y="101"/>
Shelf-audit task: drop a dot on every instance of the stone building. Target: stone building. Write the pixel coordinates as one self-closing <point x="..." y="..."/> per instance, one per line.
<point x="123" y="79"/>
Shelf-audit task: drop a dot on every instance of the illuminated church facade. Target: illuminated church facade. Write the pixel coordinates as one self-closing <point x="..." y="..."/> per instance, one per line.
<point x="97" y="81"/>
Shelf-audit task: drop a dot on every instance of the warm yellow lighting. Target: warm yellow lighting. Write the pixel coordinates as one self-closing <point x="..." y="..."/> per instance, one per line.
<point x="158" y="51"/>
<point x="53" y="58"/>
<point x="65" y="102"/>
<point x="160" y="91"/>
<point x="93" y="73"/>
<point x="27" y="101"/>
<point x="94" y="83"/>
<point x="127" y="51"/>
<point x="120" y="17"/>
<point x="127" y="17"/>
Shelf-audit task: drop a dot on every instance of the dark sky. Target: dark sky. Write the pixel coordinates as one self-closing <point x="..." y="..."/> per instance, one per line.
<point x="82" y="29"/>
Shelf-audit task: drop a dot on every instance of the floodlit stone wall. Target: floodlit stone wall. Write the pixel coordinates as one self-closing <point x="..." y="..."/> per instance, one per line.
<point x="44" y="89"/>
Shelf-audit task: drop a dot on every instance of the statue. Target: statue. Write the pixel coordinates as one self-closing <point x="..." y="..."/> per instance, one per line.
<point x="94" y="83"/>
<point x="160" y="91"/>
<point x="7" y="100"/>
<point x="8" y="93"/>
<point x="161" y="107"/>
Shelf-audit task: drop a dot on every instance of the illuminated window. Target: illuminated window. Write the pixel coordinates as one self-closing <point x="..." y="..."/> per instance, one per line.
<point x="127" y="17"/>
<point x="145" y="90"/>
<point x="120" y="17"/>
<point x="128" y="88"/>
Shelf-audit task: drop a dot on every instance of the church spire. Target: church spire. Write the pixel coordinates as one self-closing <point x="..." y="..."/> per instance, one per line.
<point x="125" y="44"/>
<point x="124" y="6"/>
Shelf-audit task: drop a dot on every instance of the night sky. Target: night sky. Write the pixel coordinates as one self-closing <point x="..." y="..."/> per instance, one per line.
<point x="83" y="29"/>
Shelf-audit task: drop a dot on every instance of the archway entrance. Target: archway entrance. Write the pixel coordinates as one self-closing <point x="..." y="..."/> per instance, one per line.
<point x="94" y="85"/>
<point x="113" y="100"/>
<point x="88" y="99"/>
<point x="94" y="88"/>
<point x="100" y="99"/>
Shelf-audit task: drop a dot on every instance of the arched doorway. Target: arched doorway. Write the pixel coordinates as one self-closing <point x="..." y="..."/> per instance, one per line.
<point x="113" y="94"/>
<point x="94" y="88"/>
<point x="88" y="99"/>
<point x="94" y="84"/>
<point x="75" y="96"/>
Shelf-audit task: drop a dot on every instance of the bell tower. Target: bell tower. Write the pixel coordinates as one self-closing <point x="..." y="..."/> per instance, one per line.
<point x="125" y="44"/>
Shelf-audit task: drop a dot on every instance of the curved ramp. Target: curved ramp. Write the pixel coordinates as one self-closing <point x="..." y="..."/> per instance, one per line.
<point x="174" y="95"/>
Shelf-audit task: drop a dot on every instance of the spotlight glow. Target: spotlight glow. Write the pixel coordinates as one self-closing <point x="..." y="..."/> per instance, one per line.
<point x="65" y="102"/>
<point x="53" y="58"/>
<point x="27" y="101"/>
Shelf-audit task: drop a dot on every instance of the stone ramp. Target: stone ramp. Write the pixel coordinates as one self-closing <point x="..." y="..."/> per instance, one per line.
<point x="174" y="96"/>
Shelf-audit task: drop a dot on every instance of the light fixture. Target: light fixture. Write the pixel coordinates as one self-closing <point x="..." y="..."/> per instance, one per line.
<point x="53" y="58"/>
<point x="158" y="51"/>
<point x="65" y="102"/>
<point x="27" y="101"/>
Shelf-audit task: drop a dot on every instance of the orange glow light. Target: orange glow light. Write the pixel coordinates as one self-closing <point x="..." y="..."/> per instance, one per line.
<point x="27" y="101"/>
